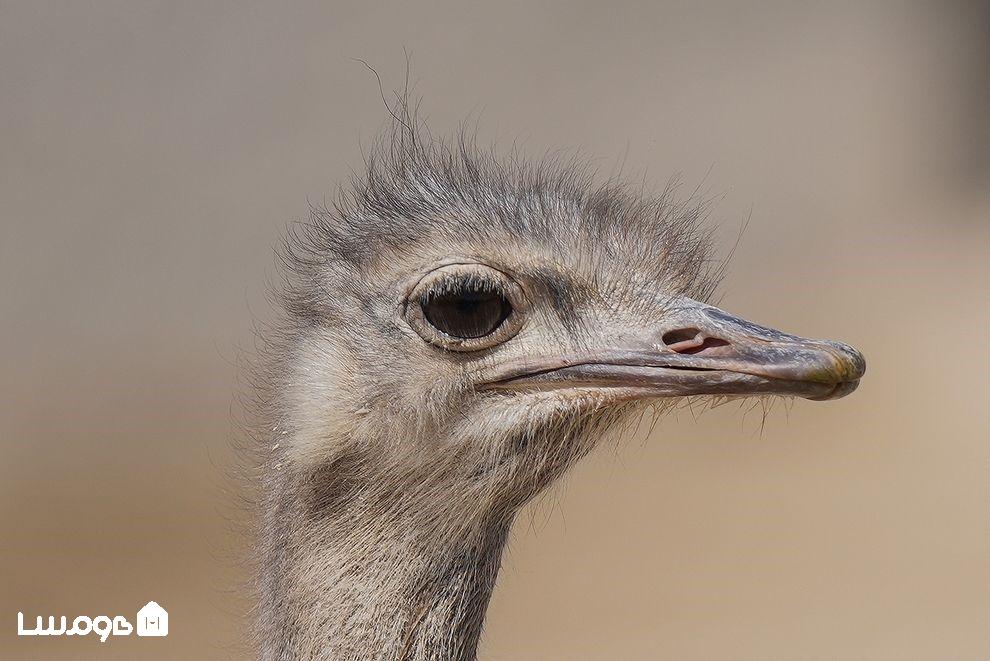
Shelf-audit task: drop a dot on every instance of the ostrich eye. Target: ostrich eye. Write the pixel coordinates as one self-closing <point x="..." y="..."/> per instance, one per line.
<point x="466" y="307"/>
<point x="467" y="310"/>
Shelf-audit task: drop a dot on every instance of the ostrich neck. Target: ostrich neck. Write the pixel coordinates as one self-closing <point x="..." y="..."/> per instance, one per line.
<point x="346" y="578"/>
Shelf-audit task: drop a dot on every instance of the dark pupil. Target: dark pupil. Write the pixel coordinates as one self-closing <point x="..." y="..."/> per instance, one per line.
<point x="469" y="312"/>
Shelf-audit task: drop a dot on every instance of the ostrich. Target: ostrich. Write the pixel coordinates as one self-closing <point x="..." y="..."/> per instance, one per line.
<point x="458" y="330"/>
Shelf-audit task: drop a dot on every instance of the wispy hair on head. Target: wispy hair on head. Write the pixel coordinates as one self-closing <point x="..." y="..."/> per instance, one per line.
<point x="416" y="187"/>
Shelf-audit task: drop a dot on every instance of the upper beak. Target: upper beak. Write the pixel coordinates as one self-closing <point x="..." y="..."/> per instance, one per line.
<point x="699" y="350"/>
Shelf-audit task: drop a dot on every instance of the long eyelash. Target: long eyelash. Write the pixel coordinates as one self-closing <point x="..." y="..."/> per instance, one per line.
<point x="462" y="284"/>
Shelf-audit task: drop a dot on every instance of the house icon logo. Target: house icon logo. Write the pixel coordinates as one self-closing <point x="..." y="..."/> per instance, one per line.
<point x="152" y="620"/>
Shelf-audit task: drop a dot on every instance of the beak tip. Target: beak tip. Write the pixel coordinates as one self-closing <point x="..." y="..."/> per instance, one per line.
<point x="851" y="362"/>
<point x="846" y="366"/>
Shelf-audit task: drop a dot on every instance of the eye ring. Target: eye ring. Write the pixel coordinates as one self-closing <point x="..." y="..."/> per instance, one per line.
<point x="466" y="307"/>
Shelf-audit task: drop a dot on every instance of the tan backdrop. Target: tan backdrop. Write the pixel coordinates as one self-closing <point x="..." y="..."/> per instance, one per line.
<point x="151" y="153"/>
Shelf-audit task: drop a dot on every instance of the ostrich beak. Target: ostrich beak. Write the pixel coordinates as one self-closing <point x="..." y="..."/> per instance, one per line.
<point x="699" y="350"/>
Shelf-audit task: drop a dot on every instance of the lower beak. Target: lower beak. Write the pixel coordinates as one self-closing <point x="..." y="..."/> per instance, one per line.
<point x="700" y="350"/>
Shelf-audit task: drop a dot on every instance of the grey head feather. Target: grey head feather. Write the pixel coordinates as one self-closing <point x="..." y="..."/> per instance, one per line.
<point x="418" y="189"/>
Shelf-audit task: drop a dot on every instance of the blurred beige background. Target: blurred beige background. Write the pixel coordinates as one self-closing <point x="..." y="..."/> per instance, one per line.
<point x="151" y="154"/>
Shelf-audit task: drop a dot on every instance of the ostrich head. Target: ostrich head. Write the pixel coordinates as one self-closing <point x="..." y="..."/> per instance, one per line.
<point x="464" y="328"/>
<point x="459" y="330"/>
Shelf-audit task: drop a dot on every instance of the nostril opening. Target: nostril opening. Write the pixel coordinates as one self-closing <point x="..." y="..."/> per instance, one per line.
<point x="692" y="341"/>
<point x="680" y="335"/>
<point x="707" y="344"/>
